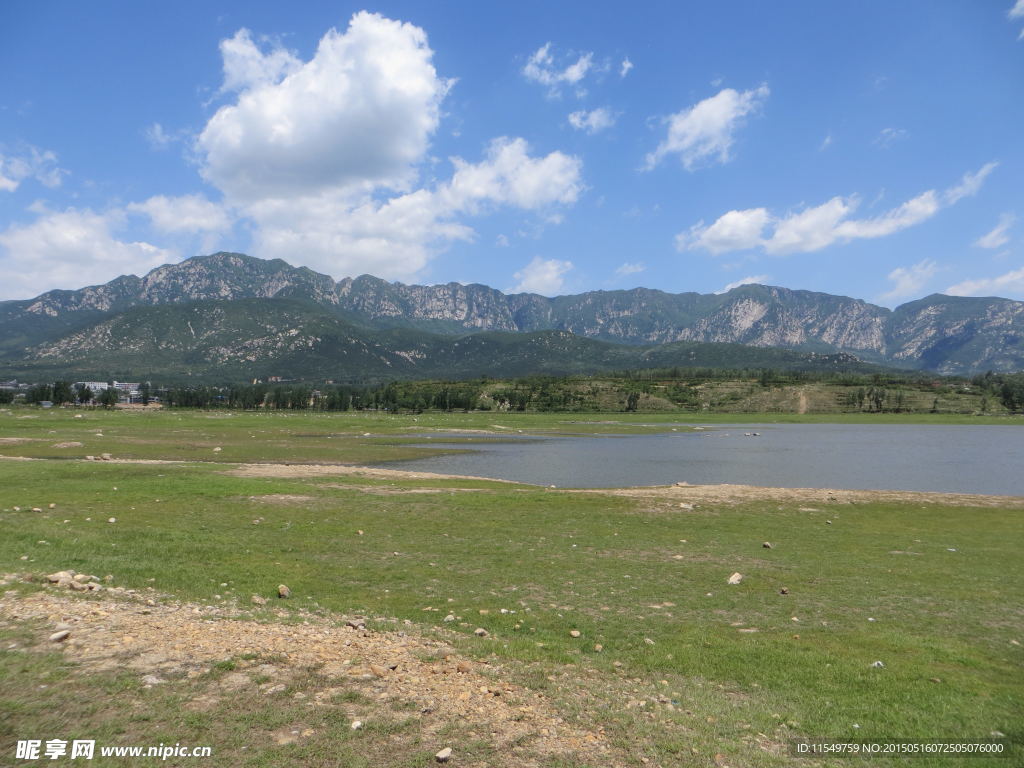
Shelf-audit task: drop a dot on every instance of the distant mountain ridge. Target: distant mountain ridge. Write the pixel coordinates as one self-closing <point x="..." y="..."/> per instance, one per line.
<point x="938" y="333"/>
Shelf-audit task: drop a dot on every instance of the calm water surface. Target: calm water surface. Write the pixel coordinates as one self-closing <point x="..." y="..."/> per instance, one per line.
<point x="952" y="459"/>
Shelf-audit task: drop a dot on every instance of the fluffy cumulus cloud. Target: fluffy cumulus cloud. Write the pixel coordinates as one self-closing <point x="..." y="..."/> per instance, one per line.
<point x="997" y="237"/>
<point x="324" y="156"/>
<point x="30" y="163"/>
<point x="188" y="213"/>
<point x="544" y="276"/>
<point x="396" y="237"/>
<point x="732" y="231"/>
<point x="705" y="132"/>
<point x="812" y="229"/>
<point x="246" y="66"/>
<point x="70" y="248"/>
<point x="594" y="121"/>
<point x="1011" y="283"/>
<point x="541" y="68"/>
<point x="910" y="281"/>
<point x="751" y="280"/>
<point x="355" y="117"/>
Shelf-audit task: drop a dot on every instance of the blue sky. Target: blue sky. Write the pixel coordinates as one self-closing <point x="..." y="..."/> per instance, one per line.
<point x="870" y="149"/>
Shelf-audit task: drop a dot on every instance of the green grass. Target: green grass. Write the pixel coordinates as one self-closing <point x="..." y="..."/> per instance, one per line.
<point x="603" y="565"/>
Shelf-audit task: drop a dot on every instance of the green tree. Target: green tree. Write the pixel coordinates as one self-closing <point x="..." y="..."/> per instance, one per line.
<point x="62" y="393"/>
<point x="109" y="397"/>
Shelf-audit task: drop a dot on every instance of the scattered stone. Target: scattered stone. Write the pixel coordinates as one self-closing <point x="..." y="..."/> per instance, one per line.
<point x="450" y="617"/>
<point x="648" y="641"/>
<point x="736" y="578"/>
<point x="444" y="755"/>
<point x="283" y="591"/>
<point x="767" y="545"/>
<point x="357" y="725"/>
<point x="783" y="591"/>
<point x="52" y="506"/>
<point x="464" y="667"/>
<point x="152" y="680"/>
<point x="105" y="457"/>
<point x="934" y="680"/>
<point x="378" y="670"/>
<point x="60" y="637"/>
<point x="574" y="633"/>
<point x="36" y="509"/>
<point x="877" y="665"/>
<point x="257" y="600"/>
<point x="356" y="624"/>
<point x="481" y="632"/>
<point x="218" y="449"/>
<point x="598" y="647"/>
<point x="111" y="519"/>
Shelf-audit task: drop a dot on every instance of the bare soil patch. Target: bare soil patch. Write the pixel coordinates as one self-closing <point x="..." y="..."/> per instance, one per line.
<point x="178" y="643"/>
<point x="282" y="498"/>
<point x="745" y="494"/>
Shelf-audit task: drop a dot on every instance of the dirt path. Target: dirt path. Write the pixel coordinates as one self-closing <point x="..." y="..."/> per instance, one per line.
<point x="177" y="644"/>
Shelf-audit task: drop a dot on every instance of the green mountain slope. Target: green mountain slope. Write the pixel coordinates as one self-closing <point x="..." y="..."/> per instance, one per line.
<point x="298" y="339"/>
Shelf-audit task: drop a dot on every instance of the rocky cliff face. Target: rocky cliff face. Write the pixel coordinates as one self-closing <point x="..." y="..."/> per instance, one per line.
<point x="941" y="333"/>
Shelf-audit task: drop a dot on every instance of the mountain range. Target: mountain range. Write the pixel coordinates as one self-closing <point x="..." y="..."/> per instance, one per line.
<point x="228" y="315"/>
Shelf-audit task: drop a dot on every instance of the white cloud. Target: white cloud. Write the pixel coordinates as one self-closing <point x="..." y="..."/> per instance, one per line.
<point x="246" y="67"/>
<point x="157" y="137"/>
<point x="825" y="143"/>
<point x="356" y="117"/>
<point x="33" y="163"/>
<point x="544" y="276"/>
<point x="1017" y="11"/>
<point x="70" y="249"/>
<point x="889" y="136"/>
<point x="910" y="281"/>
<point x="395" y="238"/>
<point x="630" y="268"/>
<point x="969" y="184"/>
<point x="510" y="176"/>
<point x="594" y="121"/>
<point x="541" y="68"/>
<point x="914" y="211"/>
<point x="733" y="231"/>
<point x="705" y="131"/>
<point x="160" y="138"/>
<point x="812" y="229"/>
<point x="188" y="213"/>
<point x="324" y="156"/>
<point x="1009" y="283"/>
<point x="625" y="67"/>
<point x="753" y="279"/>
<point x="997" y="237"/>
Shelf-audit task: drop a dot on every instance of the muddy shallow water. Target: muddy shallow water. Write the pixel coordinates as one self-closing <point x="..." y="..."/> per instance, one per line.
<point x="950" y="459"/>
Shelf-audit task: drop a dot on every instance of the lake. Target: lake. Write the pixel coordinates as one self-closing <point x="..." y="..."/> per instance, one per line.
<point x="951" y="459"/>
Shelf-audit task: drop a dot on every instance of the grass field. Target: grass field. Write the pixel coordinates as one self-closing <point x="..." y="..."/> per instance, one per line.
<point x="726" y="674"/>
